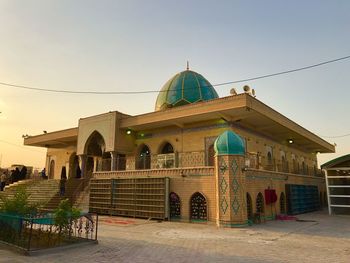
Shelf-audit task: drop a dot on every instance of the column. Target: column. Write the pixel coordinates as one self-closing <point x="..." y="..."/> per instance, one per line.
<point x="231" y="191"/>
<point x="114" y="156"/>
<point x="82" y="164"/>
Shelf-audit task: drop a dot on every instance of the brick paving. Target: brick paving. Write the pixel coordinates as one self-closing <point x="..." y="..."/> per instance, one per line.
<point x="319" y="238"/>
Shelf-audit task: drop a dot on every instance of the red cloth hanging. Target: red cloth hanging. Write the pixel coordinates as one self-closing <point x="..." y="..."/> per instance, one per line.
<point x="270" y="196"/>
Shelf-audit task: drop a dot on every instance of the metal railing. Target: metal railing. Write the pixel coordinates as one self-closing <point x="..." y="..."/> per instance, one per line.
<point x="41" y="232"/>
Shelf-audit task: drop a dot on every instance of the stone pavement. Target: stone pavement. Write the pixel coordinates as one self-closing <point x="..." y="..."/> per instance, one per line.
<point x="317" y="238"/>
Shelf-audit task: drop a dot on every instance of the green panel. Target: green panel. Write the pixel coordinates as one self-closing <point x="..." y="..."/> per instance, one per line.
<point x="181" y="103"/>
<point x="175" y="90"/>
<point x="191" y="88"/>
<point x="207" y="89"/>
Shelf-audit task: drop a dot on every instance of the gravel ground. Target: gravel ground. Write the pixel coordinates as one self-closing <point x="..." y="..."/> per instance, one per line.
<point x="316" y="238"/>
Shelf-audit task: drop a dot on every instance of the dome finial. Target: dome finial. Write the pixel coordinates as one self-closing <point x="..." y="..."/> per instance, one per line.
<point x="188" y="65"/>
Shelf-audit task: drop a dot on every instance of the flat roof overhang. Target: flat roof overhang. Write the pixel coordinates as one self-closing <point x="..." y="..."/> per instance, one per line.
<point x="55" y="139"/>
<point x="244" y="111"/>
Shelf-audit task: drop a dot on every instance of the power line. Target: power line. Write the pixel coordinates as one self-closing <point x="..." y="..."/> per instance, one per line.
<point x="337" y="136"/>
<point x="21" y="146"/>
<point x="157" y="91"/>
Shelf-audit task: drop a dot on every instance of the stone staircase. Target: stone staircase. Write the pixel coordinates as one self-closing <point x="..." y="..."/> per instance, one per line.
<point x="40" y="191"/>
<point x="47" y="194"/>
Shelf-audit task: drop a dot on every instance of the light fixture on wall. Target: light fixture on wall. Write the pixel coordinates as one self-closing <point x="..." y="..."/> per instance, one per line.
<point x="290" y="141"/>
<point x="128" y="131"/>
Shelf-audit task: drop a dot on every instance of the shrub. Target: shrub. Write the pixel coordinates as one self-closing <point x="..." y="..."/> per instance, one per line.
<point x="19" y="204"/>
<point x="65" y="214"/>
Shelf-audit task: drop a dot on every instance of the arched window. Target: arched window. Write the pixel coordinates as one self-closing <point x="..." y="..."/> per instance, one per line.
<point x="282" y="203"/>
<point x="260" y="204"/>
<point x="52" y="169"/>
<point x="211" y="155"/>
<point x="249" y="207"/>
<point x="144" y="158"/>
<point x="198" y="207"/>
<point x="167" y="148"/>
<point x="175" y="206"/>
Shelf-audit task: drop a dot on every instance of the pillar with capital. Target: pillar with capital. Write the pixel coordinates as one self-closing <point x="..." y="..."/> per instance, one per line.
<point x="114" y="157"/>
<point x="82" y="164"/>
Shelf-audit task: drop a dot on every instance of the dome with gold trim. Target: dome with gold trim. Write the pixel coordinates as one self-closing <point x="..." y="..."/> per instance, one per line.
<point x="184" y="88"/>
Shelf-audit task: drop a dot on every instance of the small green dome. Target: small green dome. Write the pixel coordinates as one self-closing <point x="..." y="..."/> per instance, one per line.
<point x="229" y="143"/>
<point x="184" y="88"/>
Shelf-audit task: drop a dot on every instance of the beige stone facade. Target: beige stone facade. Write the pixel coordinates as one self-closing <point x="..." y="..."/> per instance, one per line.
<point x="178" y="143"/>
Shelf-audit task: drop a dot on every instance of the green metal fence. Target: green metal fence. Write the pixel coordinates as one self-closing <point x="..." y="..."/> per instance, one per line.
<point x="40" y="232"/>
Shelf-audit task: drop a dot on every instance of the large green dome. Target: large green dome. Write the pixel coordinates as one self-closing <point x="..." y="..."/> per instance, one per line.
<point x="184" y="88"/>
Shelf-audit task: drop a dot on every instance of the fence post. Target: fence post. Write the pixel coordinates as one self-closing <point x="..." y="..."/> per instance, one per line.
<point x="96" y="227"/>
<point x="30" y="234"/>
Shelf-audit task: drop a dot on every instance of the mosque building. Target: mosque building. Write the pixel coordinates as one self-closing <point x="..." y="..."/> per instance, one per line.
<point x="197" y="157"/>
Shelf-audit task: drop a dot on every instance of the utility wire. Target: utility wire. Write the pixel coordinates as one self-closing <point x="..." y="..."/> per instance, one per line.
<point x="157" y="91"/>
<point x="21" y="146"/>
<point x="337" y="136"/>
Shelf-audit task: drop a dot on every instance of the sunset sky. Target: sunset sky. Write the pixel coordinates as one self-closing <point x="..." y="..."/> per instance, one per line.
<point x="138" y="45"/>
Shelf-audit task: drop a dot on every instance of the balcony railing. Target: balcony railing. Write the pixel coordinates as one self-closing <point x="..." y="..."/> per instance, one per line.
<point x="166" y="160"/>
<point x="256" y="161"/>
<point x="173" y="172"/>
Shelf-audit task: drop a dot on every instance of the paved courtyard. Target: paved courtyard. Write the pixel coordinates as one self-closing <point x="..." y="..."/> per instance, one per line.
<point x="317" y="237"/>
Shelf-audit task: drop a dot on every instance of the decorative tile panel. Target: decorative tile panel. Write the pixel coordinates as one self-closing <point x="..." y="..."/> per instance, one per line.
<point x="234" y="166"/>
<point x="235" y="185"/>
<point x="223" y="205"/>
<point x="223" y="185"/>
<point x="235" y="205"/>
<point x="222" y="166"/>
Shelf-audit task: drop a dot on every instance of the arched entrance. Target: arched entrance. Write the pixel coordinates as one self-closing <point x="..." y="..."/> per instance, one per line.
<point x="249" y="207"/>
<point x="198" y="207"/>
<point x="52" y="170"/>
<point x="260" y="204"/>
<point x="95" y="150"/>
<point x="144" y="158"/>
<point x="74" y="169"/>
<point x="175" y="206"/>
<point x="321" y="200"/>
<point x="282" y="203"/>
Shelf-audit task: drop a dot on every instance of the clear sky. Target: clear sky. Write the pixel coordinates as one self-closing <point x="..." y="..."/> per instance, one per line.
<point x="138" y="45"/>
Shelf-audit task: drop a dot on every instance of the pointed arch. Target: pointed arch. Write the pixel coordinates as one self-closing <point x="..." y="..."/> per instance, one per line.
<point x="95" y="145"/>
<point x="249" y="207"/>
<point x="175" y="206"/>
<point x="166" y="148"/>
<point x="198" y="207"/>
<point x="260" y="204"/>
<point x="143" y="157"/>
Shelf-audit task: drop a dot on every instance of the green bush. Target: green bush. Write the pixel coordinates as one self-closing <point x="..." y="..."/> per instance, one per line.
<point x="19" y="204"/>
<point x="65" y="214"/>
